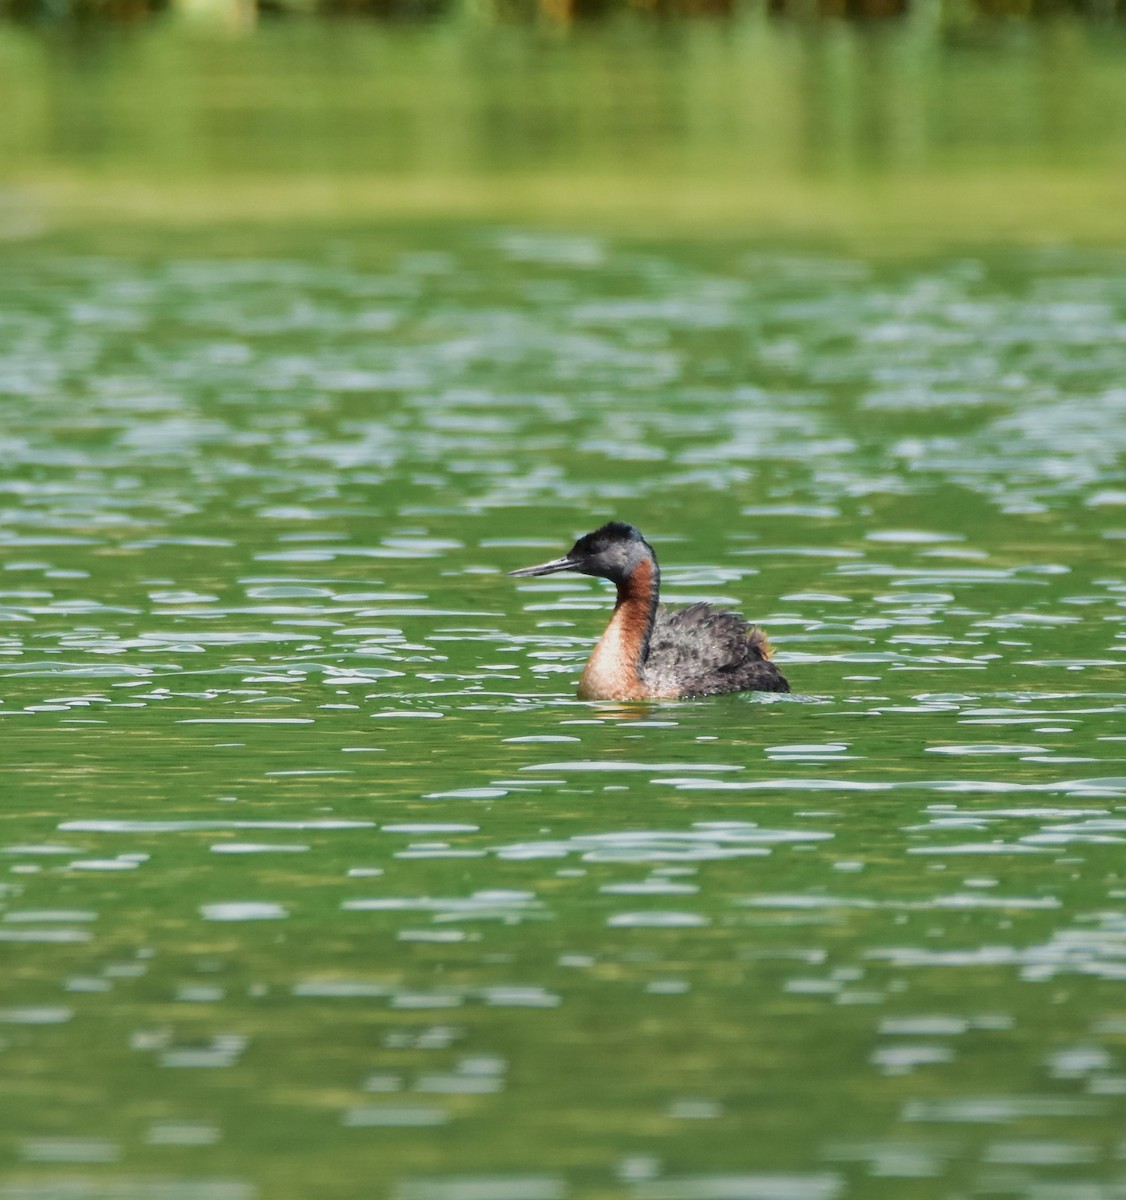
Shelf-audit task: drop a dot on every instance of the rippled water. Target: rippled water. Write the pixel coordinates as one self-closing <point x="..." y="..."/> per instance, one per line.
<point x="320" y="881"/>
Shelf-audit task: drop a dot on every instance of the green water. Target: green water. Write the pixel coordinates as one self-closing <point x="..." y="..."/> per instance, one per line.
<point x="317" y="878"/>
<point x="320" y="881"/>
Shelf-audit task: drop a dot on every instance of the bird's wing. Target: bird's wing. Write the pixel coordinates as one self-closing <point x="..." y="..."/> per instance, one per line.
<point x="701" y="639"/>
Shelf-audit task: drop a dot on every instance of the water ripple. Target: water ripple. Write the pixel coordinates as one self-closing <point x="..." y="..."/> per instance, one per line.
<point x="253" y="524"/>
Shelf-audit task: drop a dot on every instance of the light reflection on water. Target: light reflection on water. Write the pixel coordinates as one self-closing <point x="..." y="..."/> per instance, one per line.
<point x="312" y="848"/>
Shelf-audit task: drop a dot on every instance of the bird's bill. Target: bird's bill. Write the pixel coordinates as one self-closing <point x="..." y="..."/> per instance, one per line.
<point x="566" y="563"/>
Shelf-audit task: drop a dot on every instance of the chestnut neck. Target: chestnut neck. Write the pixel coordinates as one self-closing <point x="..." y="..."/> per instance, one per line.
<point x="614" y="671"/>
<point x="636" y="609"/>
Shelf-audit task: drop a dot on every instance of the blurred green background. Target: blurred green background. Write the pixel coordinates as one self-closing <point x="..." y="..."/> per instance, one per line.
<point x="946" y="124"/>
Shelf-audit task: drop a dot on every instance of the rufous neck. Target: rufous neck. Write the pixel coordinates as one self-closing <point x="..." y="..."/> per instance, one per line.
<point x="636" y="607"/>
<point x="614" y="671"/>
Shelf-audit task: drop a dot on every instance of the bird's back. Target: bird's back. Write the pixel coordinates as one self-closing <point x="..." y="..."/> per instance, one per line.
<point x="702" y="651"/>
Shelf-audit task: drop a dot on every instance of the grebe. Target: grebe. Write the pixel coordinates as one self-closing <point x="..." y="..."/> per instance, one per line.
<point x="649" y="653"/>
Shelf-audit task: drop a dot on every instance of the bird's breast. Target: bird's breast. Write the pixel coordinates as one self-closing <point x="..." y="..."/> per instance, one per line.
<point x="611" y="671"/>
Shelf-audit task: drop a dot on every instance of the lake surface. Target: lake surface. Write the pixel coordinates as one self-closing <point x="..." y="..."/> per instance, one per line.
<point x="321" y="881"/>
<point x="317" y="878"/>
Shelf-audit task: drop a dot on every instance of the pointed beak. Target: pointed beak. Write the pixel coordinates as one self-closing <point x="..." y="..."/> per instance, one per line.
<point x="565" y="563"/>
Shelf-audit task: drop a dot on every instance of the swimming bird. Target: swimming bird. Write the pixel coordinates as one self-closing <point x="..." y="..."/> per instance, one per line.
<point x="650" y="653"/>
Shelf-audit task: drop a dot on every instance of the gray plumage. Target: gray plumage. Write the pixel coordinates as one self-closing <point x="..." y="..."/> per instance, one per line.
<point x="705" y="651"/>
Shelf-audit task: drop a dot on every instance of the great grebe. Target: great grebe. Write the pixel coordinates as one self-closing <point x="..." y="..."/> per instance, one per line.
<point x="649" y="653"/>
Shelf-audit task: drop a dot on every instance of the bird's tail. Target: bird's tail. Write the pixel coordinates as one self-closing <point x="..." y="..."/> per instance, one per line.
<point x="758" y="639"/>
